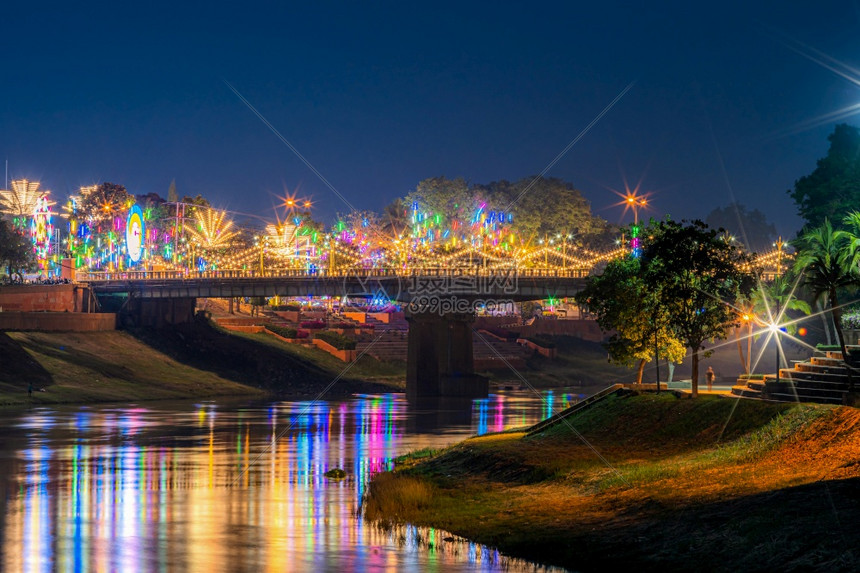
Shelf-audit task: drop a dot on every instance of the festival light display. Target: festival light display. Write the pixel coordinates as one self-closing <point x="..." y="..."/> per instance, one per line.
<point x="41" y="231"/>
<point x="135" y="228"/>
<point x="22" y="200"/>
<point x="107" y="233"/>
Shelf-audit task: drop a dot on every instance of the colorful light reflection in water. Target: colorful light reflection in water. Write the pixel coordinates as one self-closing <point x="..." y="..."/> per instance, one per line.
<point x="225" y="488"/>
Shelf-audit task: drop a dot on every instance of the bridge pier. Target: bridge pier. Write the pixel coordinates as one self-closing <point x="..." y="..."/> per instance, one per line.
<point x="439" y="360"/>
<point x="159" y="312"/>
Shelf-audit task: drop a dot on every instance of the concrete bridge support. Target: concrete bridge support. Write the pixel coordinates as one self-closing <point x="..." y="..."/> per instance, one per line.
<point x="439" y="358"/>
<point x="159" y="312"/>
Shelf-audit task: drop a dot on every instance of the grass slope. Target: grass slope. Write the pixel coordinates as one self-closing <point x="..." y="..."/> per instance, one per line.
<point x="653" y="481"/>
<point x="99" y="367"/>
<point x="261" y="360"/>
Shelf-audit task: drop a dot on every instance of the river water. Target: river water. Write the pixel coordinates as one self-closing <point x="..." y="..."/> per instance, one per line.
<point x="227" y="486"/>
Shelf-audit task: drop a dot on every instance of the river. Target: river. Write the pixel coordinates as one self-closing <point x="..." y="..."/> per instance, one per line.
<point x="232" y="486"/>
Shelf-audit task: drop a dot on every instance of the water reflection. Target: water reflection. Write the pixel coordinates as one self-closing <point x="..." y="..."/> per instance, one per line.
<point x="229" y="488"/>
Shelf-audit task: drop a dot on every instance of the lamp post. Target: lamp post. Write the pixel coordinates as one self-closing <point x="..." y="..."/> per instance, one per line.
<point x="779" y="244"/>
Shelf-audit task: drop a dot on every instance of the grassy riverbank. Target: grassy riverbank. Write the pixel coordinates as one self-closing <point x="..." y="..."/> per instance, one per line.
<point x="659" y="482"/>
<point x="197" y="361"/>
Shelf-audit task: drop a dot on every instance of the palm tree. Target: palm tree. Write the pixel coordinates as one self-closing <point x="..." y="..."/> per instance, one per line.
<point x="826" y="261"/>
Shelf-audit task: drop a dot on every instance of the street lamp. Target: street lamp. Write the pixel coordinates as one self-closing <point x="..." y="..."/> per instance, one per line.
<point x="635" y="202"/>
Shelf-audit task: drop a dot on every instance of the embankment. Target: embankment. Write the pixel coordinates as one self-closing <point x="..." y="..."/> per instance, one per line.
<point x="655" y="482"/>
<point x="195" y="361"/>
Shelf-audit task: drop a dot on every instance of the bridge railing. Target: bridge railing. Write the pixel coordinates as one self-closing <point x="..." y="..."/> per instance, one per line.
<point x="147" y="275"/>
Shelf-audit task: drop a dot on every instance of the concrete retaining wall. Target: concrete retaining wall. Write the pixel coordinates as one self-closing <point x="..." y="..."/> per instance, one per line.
<point x="584" y="329"/>
<point x="50" y="298"/>
<point x="57" y="321"/>
<point x="345" y="355"/>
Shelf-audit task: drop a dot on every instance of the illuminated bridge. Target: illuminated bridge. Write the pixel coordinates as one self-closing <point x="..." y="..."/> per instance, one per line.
<point x="440" y="303"/>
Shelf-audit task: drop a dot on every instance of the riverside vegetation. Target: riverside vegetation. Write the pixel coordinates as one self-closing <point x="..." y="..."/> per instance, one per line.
<point x="656" y="481"/>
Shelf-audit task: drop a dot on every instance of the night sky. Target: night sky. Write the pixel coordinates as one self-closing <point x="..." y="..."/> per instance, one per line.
<point x="724" y="104"/>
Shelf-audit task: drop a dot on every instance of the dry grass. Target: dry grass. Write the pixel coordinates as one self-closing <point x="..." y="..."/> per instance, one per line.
<point x="686" y="482"/>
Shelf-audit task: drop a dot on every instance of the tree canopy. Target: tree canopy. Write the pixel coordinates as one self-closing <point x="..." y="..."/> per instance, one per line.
<point x="16" y="251"/>
<point x="699" y="276"/>
<point x="625" y="306"/>
<point x="749" y="227"/>
<point x="833" y="188"/>
<point x="104" y="202"/>
<point x="538" y="205"/>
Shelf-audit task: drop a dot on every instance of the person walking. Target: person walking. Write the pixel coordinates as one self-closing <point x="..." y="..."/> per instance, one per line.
<point x="709" y="376"/>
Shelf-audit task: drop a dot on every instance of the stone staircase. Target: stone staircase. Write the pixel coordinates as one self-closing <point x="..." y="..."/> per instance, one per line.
<point x="823" y="379"/>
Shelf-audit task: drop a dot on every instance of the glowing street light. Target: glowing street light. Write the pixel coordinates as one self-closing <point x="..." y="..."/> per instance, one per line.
<point x="635" y="202"/>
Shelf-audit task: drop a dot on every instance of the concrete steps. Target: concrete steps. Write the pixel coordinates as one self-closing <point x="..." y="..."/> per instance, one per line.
<point x="823" y="379"/>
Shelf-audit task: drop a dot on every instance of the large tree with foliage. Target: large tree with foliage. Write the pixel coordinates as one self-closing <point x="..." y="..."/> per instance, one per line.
<point x="104" y="203"/>
<point x="700" y="276"/>
<point x="625" y="306"/>
<point x="749" y="227"/>
<point x="540" y="205"/>
<point x="833" y="188"/>
<point x="16" y="251"/>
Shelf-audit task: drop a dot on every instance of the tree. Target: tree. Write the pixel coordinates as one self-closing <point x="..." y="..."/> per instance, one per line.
<point x="749" y="227"/>
<point x="101" y="204"/>
<point x="700" y="277"/>
<point x="624" y="305"/>
<point x="16" y="251"/>
<point x="395" y="219"/>
<point x="450" y="198"/>
<point x="172" y="197"/>
<point x="825" y="259"/>
<point x="834" y="187"/>
<point x="549" y="206"/>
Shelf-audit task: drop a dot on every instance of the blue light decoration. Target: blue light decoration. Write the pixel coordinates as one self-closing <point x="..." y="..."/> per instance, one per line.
<point x="134" y="233"/>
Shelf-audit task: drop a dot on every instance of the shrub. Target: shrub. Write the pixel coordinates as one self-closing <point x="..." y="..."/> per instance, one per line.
<point x="339" y="341"/>
<point x="751" y="377"/>
<point x="284" y="331"/>
<point x="287" y="307"/>
<point x="851" y="319"/>
<point x="302" y="334"/>
<point x="312" y="324"/>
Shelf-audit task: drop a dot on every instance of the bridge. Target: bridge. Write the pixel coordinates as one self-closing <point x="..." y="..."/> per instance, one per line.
<point x="440" y="304"/>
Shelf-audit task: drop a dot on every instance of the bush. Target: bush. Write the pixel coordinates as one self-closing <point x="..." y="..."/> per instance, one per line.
<point x="284" y="331"/>
<point x="302" y="334"/>
<point x="287" y="307"/>
<point x="339" y="341"/>
<point x="751" y="377"/>
<point x="312" y="324"/>
<point x="851" y="319"/>
<point x="542" y="342"/>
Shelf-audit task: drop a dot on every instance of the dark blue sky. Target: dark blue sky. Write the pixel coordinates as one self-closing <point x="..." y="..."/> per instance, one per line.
<point x="378" y="98"/>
